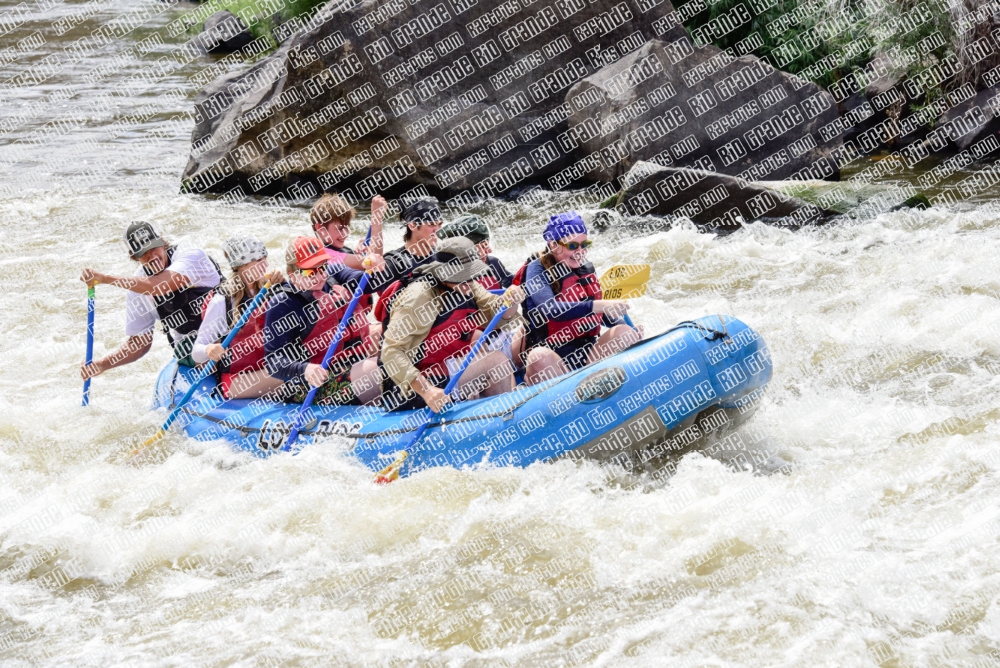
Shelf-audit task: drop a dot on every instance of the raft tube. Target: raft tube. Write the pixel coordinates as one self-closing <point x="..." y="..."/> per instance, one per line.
<point x="619" y="406"/>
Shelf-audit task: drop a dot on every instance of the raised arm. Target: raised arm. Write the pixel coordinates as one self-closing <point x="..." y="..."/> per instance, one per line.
<point x="162" y="283"/>
<point x="379" y="206"/>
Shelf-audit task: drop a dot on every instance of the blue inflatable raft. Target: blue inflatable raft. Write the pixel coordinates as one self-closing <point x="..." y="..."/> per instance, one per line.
<point x="621" y="406"/>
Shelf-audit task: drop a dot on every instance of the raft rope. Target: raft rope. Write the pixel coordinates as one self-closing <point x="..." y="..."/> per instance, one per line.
<point x="715" y="334"/>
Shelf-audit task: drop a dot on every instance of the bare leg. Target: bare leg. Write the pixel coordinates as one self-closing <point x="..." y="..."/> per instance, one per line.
<point x="374" y="340"/>
<point x="615" y="340"/>
<point x="253" y="384"/>
<point x="542" y="364"/>
<point x="489" y="375"/>
<point x="365" y="380"/>
<point x="517" y="348"/>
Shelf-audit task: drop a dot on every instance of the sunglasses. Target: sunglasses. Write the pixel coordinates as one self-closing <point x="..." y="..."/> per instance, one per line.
<point x="573" y="245"/>
<point x="312" y="272"/>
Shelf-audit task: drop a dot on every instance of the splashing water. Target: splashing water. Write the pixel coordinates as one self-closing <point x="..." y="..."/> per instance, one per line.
<point x="878" y="547"/>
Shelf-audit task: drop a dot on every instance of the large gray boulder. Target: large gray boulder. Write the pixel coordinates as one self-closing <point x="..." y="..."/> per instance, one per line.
<point x="690" y="106"/>
<point x="712" y="200"/>
<point x="462" y="97"/>
<point x="969" y="123"/>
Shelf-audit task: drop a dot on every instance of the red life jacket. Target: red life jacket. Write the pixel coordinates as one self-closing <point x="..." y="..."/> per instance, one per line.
<point x="576" y="287"/>
<point x="580" y="285"/>
<point x="521" y="273"/>
<point x="246" y="350"/>
<point x="327" y="318"/>
<point x="489" y="281"/>
<point x="337" y="256"/>
<point x="451" y="333"/>
<point x="385" y="302"/>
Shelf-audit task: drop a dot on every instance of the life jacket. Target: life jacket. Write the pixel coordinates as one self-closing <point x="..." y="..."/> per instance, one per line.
<point x="327" y="317"/>
<point x="337" y="256"/>
<point x="400" y="262"/>
<point x="450" y="334"/>
<point x="522" y="272"/>
<point x="579" y="285"/>
<point x="384" y="305"/>
<point x="246" y="350"/>
<point x="489" y="281"/>
<point x="180" y="312"/>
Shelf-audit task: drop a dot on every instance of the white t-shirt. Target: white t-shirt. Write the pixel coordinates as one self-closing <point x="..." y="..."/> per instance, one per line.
<point x="193" y="263"/>
<point x="213" y="327"/>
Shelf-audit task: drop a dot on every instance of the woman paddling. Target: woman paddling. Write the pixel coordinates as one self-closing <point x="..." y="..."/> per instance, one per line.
<point x="301" y="321"/>
<point x="241" y="370"/>
<point x="170" y="285"/>
<point x="433" y="320"/>
<point x="564" y="309"/>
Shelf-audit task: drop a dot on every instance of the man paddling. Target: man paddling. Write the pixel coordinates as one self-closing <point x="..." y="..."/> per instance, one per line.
<point x="474" y="228"/>
<point x="435" y="319"/>
<point x="301" y="321"/>
<point x="422" y="219"/>
<point x="170" y="285"/>
<point x="331" y="218"/>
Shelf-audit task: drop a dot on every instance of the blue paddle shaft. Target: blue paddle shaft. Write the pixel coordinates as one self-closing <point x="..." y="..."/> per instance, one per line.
<point x="458" y="374"/>
<point x="341" y="328"/>
<point x="207" y="369"/>
<point x="90" y="342"/>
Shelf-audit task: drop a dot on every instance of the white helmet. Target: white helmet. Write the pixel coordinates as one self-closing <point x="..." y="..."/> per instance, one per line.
<point x="243" y="250"/>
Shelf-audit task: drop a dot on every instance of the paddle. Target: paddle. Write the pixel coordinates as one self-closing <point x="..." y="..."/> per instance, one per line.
<point x="90" y="341"/>
<point x="625" y="281"/>
<point x="205" y="370"/>
<point x="338" y="335"/>
<point x="391" y="472"/>
<point x="622" y="281"/>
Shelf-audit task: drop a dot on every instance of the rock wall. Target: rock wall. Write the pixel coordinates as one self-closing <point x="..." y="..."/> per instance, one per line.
<point x="711" y="200"/>
<point x="458" y="98"/>
<point x="373" y="96"/>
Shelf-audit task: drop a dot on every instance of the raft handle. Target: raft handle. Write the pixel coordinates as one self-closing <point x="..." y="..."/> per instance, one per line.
<point x="715" y="334"/>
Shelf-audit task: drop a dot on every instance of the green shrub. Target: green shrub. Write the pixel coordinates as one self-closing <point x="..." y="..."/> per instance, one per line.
<point x="264" y="26"/>
<point x="795" y="35"/>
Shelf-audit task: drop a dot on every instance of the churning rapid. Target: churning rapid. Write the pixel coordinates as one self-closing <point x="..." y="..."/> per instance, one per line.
<point x="877" y="543"/>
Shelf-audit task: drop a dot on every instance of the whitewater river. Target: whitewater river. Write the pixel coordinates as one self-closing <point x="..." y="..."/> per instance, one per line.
<point x="878" y="545"/>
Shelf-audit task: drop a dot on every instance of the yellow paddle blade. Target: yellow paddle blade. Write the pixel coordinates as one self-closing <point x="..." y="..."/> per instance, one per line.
<point x="391" y="472"/>
<point x="625" y="281"/>
<point x="156" y="437"/>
